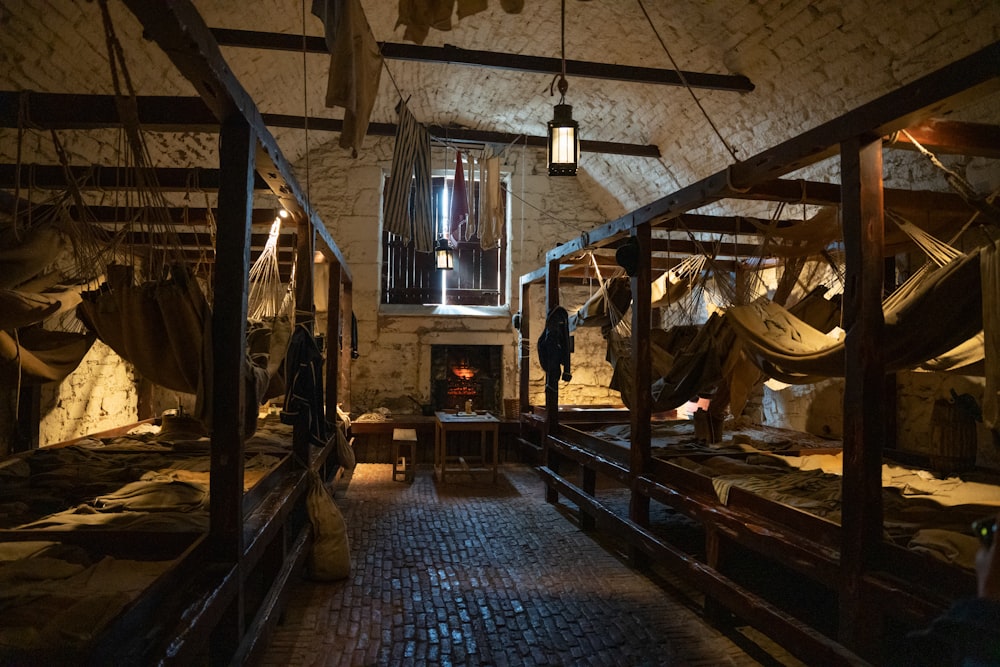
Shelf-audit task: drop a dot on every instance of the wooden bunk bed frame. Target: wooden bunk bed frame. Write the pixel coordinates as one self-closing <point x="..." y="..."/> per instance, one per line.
<point x="224" y="590"/>
<point x="874" y="582"/>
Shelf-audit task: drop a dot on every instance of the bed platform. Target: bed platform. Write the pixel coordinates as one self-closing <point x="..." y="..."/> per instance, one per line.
<point x="875" y="548"/>
<point x="160" y="540"/>
<point x="211" y="530"/>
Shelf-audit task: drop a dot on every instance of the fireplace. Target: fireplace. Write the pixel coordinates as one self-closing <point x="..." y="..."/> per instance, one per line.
<point x="461" y="373"/>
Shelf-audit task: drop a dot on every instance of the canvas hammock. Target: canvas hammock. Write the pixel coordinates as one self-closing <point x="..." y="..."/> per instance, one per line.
<point x="990" y="265"/>
<point x="595" y="312"/>
<point x="929" y="315"/>
<point x="160" y="327"/>
<point x="685" y="359"/>
<point x="966" y="359"/>
<point x="36" y="356"/>
<point x="20" y="309"/>
<point x="270" y="307"/>
<point x="670" y="287"/>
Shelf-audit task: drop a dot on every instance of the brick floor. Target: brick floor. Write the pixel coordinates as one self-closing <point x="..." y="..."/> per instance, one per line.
<point x="471" y="574"/>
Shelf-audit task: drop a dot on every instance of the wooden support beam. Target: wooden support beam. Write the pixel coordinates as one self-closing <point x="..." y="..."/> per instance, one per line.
<point x="949" y="137"/>
<point x="347" y="351"/>
<point x="334" y="339"/>
<point x="65" y="111"/>
<point x="178" y="28"/>
<point x="524" y="347"/>
<point x="935" y="94"/>
<point x="551" y="383"/>
<point x="641" y="409"/>
<point x="664" y="212"/>
<point x="946" y="89"/>
<point x="864" y="385"/>
<point x="229" y="322"/>
<point x="492" y="59"/>
<point x="96" y="177"/>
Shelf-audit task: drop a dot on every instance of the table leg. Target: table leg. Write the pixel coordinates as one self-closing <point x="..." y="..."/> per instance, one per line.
<point x="496" y="451"/>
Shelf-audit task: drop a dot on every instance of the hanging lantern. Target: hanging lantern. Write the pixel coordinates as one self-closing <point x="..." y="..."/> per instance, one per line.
<point x="444" y="258"/>
<point x="564" y="142"/>
<point x="564" y="133"/>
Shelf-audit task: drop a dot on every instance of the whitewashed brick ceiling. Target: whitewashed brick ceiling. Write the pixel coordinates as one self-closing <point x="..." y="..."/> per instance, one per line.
<point x="809" y="61"/>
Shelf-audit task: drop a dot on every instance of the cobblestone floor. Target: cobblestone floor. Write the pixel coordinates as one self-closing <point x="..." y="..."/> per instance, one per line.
<point x="468" y="573"/>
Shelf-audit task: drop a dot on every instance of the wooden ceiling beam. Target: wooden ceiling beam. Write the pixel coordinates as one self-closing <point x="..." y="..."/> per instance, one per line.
<point x="96" y="177"/>
<point x="180" y="216"/>
<point x="66" y="111"/>
<point x="950" y="87"/>
<point x="932" y="95"/>
<point x="948" y="137"/>
<point x="664" y="212"/>
<point x="454" y="55"/>
<point x="179" y="30"/>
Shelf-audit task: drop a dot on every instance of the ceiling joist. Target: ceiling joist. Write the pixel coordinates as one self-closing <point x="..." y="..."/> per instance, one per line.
<point x="62" y="111"/>
<point x="181" y="33"/>
<point x="454" y="55"/>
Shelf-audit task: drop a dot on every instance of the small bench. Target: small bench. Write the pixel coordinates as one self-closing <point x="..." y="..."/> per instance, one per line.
<point x="404" y="438"/>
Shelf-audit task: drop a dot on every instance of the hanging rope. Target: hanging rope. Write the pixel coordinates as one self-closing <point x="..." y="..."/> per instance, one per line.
<point x="959" y="183"/>
<point x="730" y="149"/>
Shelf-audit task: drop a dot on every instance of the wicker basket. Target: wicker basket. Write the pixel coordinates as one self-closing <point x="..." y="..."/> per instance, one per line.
<point x="511" y="408"/>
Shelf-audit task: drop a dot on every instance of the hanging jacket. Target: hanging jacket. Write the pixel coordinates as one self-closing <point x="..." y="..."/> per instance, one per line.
<point x="554" y="348"/>
<point x="304" y="399"/>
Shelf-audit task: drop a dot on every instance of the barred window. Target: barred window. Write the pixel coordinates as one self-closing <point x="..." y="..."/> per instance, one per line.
<point x="410" y="277"/>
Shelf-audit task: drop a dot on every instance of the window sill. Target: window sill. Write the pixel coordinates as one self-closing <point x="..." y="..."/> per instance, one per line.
<point x="404" y="310"/>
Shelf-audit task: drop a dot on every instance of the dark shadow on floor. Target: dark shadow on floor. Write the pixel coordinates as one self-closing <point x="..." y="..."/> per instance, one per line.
<point x="475" y="485"/>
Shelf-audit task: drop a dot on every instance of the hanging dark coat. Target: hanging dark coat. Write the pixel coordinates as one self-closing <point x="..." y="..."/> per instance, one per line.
<point x="554" y="348"/>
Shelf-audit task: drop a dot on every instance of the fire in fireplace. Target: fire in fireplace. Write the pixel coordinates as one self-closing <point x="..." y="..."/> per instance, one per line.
<point x="460" y="373"/>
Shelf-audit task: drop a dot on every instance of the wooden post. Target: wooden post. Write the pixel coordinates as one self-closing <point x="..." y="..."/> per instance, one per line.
<point x="335" y="340"/>
<point x="229" y="324"/>
<point x="641" y="409"/>
<point x="305" y="308"/>
<point x="305" y="315"/>
<point x="551" y="392"/>
<point x="588" y="482"/>
<point x="864" y="388"/>
<point x="524" y="386"/>
<point x="891" y="412"/>
<point x="29" y="418"/>
<point x="346" y="357"/>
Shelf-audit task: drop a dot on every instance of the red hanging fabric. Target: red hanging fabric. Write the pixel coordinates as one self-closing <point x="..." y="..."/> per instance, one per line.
<point x="459" y="204"/>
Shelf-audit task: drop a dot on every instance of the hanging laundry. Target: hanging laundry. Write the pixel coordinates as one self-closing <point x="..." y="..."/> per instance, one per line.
<point x="459" y="219"/>
<point x="419" y="16"/>
<point x="470" y="7"/>
<point x="471" y="192"/>
<point x="492" y="210"/>
<point x="355" y="66"/>
<point x="411" y="177"/>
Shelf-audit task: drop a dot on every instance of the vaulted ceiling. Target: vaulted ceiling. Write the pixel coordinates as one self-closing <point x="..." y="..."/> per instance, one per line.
<point x="806" y="62"/>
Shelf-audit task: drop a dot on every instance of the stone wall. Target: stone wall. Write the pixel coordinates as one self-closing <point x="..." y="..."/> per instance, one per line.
<point x="395" y="341"/>
<point x="99" y="395"/>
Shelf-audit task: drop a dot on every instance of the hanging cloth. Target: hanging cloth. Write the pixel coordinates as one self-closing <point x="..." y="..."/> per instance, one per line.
<point x="419" y="16"/>
<point x="555" y="346"/>
<point x="460" y="204"/>
<point x="304" y="397"/>
<point x="355" y="66"/>
<point x="411" y="177"/>
<point x="492" y="213"/>
<point x="990" y="268"/>
<point x="37" y="356"/>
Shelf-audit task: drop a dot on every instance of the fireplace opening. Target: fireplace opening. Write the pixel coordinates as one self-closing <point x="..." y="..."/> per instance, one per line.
<point x="461" y="373"/>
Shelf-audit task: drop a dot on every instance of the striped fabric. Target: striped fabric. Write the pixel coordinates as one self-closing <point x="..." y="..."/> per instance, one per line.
<point x="411" y="161"/>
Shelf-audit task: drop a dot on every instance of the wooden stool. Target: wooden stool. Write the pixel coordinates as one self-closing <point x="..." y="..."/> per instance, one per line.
<point x="403" y="437"/>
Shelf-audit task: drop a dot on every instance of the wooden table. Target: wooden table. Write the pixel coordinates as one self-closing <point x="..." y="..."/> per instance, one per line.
<point x="449" y="422"/>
